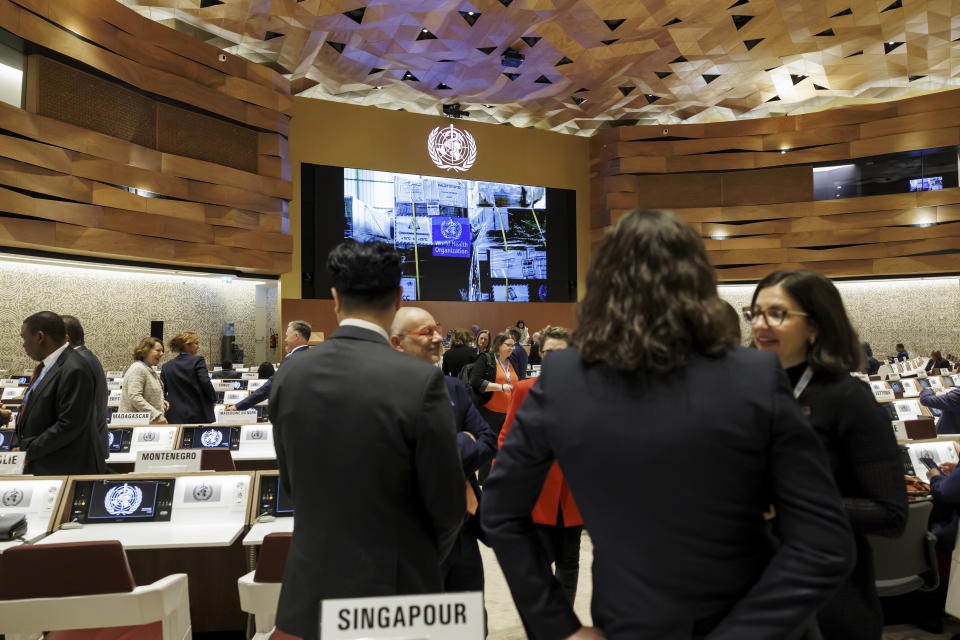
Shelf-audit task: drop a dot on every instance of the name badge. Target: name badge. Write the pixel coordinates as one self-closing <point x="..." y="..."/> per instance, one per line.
<point x="129" y="419"/>
<point x="441" y="616"/>
<point x="249" y="376"/>
<point x="883" y="395"/>
<point x="177" y="461"/>
<point x="114" y="374"/>
<point x="11" y="464"/>
<point x="9" y="382"/>
<point x="237" y="417"/>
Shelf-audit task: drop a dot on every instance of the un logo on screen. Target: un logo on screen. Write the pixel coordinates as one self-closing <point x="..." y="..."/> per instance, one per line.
<point x="451" y="229"/>
<point x="109" y="438"/>
<point x="451" y="148"/>
<point x="123" y="500"/>
<point x="12" y="497"/>
<point x="211" y="438"/>
<point x="202" y="492"/>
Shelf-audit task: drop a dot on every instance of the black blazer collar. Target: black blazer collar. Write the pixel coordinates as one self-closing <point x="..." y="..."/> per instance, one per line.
<point x="357" y="333"/>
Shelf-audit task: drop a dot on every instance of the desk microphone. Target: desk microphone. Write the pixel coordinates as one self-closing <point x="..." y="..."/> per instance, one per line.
<point x="265" y="517"/>
<point x="71" y="525"/>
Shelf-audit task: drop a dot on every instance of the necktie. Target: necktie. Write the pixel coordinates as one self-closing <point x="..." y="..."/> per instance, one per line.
<point x="23" y="407"/>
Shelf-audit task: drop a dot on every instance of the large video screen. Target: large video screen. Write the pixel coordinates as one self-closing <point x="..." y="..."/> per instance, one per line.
<point x="459" y="240"/>
<point x="490" y="238"/>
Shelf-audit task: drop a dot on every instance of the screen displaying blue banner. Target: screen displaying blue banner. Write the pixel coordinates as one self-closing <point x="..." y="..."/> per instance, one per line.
<point x="451" y="237"/>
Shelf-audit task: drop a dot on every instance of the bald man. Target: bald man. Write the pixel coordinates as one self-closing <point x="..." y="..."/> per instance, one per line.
<point x="416" y="333"/>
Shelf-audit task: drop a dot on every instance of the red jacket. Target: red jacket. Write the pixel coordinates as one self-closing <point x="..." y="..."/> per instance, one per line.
<point x="556" y="491"/>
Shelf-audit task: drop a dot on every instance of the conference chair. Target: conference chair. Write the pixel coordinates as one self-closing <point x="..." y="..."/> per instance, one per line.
<point x="79" y="590"/>
<point x="907" y="563"/>
<point x="260" y="589"/>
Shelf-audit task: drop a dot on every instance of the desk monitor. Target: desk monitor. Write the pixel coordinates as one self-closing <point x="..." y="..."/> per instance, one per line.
<point x="239" y="385"/>
<point x="211" y="437"/>
<point x="936" y="412"/>
<point x="908" y="469"/>
<point x="7" y="437"/>
<point x="924" y="383"/>
<point x="118" y="440"/>
<point x="947" y="381"/>
<point x="219" y="397"/>
<point x="22" y="380"/>
<point x="896" y="386"/>
<point x="101" y="501"/>
<point x="273" y="500"/>
<point x="891" y="410"/>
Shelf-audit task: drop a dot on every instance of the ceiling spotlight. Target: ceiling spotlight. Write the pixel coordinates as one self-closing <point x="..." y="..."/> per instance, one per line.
<point x="424" y="30"/>
<point x="469" y="13"/>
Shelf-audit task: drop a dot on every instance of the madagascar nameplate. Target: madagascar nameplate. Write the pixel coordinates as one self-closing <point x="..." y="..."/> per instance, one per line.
<point x="440" y="616"/>
<point x="129" y="419"/>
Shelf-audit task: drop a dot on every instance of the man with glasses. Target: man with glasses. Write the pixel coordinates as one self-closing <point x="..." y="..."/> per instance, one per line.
<point x="416" y="333"/>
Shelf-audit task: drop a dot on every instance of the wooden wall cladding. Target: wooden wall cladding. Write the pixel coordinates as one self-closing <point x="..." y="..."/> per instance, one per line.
<point x="95" y="167"/>
<point x="747" y="187"/>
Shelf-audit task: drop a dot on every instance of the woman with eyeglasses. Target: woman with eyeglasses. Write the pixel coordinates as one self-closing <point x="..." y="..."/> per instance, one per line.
<point x="800" y="316"/>
<point x="493" y="378"/>
<point x="674" y="441"/>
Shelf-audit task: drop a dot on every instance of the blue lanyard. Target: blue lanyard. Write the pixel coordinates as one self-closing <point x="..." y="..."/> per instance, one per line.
<point x="506" y="370"/>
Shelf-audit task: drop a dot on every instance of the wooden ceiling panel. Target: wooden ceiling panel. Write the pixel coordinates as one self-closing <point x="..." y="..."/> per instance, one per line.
<point x="643" y="61"/>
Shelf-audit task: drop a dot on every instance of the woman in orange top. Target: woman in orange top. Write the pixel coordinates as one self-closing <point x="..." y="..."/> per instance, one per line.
<point x="494" y="377"/>
<point x="558" y="521"/>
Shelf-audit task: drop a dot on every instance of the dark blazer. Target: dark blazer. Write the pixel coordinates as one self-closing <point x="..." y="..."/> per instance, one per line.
<point x="519" y="359"/>
<point x="188" y="389"/>
<point x="671" y="473"/>
<point x="457" y="358"/>
<point x="58" y="429"/>
<point x="225" y="374"/>
<point x="367" y="449"/>
<point x="259" y="395"/>
<point x="101" y="396"/>
<point x="949" y="404"/>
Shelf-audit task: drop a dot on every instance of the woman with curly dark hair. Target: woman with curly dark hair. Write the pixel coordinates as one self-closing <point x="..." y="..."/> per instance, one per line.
<point x="656" y="394"/>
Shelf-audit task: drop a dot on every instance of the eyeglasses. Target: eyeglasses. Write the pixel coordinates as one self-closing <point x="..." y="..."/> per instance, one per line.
<point x="773" y="316"/>
<point x="429" y="330"/>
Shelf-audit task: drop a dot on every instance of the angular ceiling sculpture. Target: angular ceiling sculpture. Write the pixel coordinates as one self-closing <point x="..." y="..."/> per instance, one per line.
<point x="637" y="61"/>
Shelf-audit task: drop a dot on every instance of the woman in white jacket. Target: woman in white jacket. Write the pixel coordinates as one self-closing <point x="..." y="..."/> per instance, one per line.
<point x="142" y="387"/>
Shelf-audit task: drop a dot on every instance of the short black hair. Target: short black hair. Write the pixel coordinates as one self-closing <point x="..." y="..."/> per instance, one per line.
<point x="514" y="332"/>
<point x="366" y="275"/>
<point x="900" y="345"/>
<point x="48" y="322"/>
<point x="226" y="364"/>
<point x="74" y="329"/>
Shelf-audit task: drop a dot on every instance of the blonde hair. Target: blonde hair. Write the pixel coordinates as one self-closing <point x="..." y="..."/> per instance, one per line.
<point x="182" y="340"/>
<point x="144" y="347"/>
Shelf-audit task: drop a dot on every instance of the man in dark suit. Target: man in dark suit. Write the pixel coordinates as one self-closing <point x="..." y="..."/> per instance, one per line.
<point x="367" y="449"/>
<point x="226" y="371"/>
<point x="56" y="425"/>
<point x="415" y="332"/>
<point x="295" y="340"/>
<point x="518" y="358"/>
<point x="76" y="339"/>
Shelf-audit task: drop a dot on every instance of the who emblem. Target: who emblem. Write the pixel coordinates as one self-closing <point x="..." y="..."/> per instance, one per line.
<point x="451" y="229"/>
<point x="451" y="148"/>
<point x="123" y="500"/>
<point x="211" y="438"/>
<point x="12" y="497"/>
<point x="202" y="492"/>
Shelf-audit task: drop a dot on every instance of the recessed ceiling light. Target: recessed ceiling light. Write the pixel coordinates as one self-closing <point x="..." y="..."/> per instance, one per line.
<point x="469" y="13"/>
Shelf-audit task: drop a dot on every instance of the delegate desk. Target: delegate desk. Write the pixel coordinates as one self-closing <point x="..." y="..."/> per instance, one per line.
<point x="38" y="498"/>
<point x="169" y="523"/>
<point x="250" y="445"/>
<point x="271" y="509"/>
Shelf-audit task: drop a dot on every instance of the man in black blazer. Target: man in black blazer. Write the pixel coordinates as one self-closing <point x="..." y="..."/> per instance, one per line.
<point x="295" y="340"/>
<point x="367" y="449"/>
<point x="56" y="425"/>
<point x="75" y="337"/>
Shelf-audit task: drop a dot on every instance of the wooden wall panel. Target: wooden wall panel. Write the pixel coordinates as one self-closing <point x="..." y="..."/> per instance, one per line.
<point x="701" y="177"/>
<point x="101" y="167"/>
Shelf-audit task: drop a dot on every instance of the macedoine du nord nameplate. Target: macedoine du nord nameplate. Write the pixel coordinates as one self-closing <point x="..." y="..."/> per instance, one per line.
<point x="437" y="616"/>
